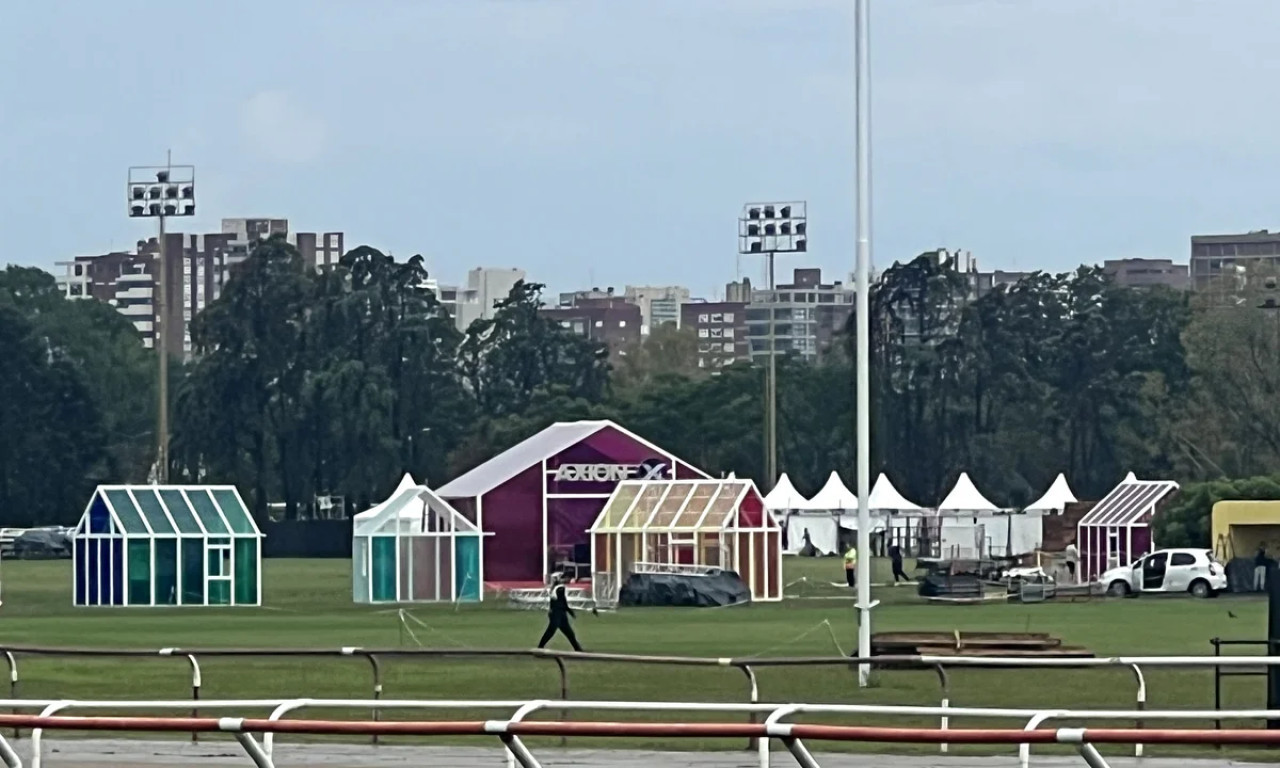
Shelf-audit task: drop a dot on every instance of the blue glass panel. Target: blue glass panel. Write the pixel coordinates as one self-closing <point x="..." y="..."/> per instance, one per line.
<point x="117" y="571"/>
<point x="99" y="515"/>
<point x="78" y="573"/>
<point x="95" y="574"/>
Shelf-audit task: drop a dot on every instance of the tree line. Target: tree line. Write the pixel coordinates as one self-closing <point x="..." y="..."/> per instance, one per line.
<point x="309" y="384"/>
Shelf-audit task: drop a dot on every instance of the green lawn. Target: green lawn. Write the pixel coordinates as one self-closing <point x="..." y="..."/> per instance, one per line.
<point x="307" y="604"/>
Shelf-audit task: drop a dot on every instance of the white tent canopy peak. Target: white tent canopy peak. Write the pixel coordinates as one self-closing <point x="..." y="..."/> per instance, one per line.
<point x="885" y="497"/>
<point x="965" y="497"/>
<point x="833" y="496"/>
<point x="784" y="496"/>
<point x="1056" y="498"/>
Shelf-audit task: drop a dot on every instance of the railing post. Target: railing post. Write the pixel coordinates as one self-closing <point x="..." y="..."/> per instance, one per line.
<point x="564" y="692"/>
<point x="801" y="753"/>
<point x="196" y="682"/>
<point x="1217" y="685"/>
<point x="9" y="755"/>
<point x="1091" y="756"/>
<point x="945" y="682"/>
<point x="254" y="750"/>
<point x="377" y="686"/>
<point x="1142" y="704"/>
<point x="754" y="698"/>
<point x="13" y="687"/>
<point x="522" y="754"/>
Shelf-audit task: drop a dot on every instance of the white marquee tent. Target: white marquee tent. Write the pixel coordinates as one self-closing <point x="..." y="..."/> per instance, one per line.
<point x="783" y="499"/>
<point x="971" y="526"/>
<point x="886" y="498"/>
<point x="1055" y="499"/>
<point x="817" y="521"/>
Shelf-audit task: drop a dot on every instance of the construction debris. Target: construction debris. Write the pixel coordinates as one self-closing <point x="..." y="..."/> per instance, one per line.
<point x="977" y="644"/>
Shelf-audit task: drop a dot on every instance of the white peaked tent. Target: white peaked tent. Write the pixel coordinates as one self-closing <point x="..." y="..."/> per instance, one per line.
<point x="885" y="498"/>
<point x="1055" y="499"/>
<point x="965" y="498"/>
<point x="817" y="520"/>
<point x="784" y="497"/>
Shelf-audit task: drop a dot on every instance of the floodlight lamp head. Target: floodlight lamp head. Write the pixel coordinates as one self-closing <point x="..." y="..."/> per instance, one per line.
<point x="171" y="192"/>
<point x="154" y="193"/>
<point x="785" y="213"/>
<point x="754" y="213"/>
<point x="768" y="211"/>
<point x="801" y="227"/>
<point x="802" y="245"/>
<point x="753" y="230"/>
<point x="785" y="227"/>
<point x="137" y="210"/>
<point x="188" y="192"/>
<point x="170" y="209"/>
<point x="770" y="229"/>
<point x="189" y="209"/>
<point x="162" y="176"/>
<point x="153" y="209"/>
<point x="757" y="246"/>
<point x="137" y="192"/>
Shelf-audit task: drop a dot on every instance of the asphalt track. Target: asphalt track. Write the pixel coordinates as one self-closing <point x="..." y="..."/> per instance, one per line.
<point x="126" y="753"/>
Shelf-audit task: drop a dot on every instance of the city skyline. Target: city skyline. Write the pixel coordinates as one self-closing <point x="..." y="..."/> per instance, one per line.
<point x="993" y="133"/>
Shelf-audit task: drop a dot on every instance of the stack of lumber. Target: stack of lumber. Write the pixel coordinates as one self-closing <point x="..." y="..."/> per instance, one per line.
<point x="999" y="644"/>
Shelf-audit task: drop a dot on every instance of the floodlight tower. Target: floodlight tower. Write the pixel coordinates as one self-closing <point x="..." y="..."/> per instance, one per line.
<point x="159" y="192"/>
<point x="769" y="229"/>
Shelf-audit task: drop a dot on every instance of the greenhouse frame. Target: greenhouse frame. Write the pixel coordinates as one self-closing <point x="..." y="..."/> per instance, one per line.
<point x="167" y="545"/>
<point x="689" y="524"/>
<point x="415" y="548"/>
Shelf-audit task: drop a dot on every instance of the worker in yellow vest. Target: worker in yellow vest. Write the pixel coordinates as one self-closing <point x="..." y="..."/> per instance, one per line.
<point x="851" y="566"/>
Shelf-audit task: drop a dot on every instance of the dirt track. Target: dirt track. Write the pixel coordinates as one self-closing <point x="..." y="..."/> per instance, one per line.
<point x="84" y="753"/>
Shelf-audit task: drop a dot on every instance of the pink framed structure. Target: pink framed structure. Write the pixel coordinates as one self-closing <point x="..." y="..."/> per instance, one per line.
<point x="1117" y="530"/>
<point x="535" y="501"/>
<point x="691" y="523"/>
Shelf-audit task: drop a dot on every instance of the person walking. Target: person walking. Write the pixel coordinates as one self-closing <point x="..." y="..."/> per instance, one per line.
<point x="1070" y="557"/>
<point x="851" y="567"/>
<point x="1260" y="562"/>
<point x="895" y="558"/>
<point x="558" y="614"/>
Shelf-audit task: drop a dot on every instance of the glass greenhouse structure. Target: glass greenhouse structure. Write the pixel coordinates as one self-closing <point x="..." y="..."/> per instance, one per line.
<point x="689" y="525"/>
<point x="149" y="545"/>
<point x="415" y="548"/>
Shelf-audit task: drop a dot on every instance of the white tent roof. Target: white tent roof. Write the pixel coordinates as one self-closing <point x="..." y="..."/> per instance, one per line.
<point x="1058" y="496"/>
<point x="833" y="496"/>
<point x="964" y="497"/>
<point x="784" y="496"/>
<point x="406" y="483"/>
<point x="885" y="497"/>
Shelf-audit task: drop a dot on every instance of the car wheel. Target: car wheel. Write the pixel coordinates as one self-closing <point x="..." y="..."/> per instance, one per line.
<point x="1118" y="589"/>
<point x="1200" y="588"/>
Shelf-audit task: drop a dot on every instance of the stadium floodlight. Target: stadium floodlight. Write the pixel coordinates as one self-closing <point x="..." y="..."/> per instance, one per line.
<point x="159" y="192"/>
<point x="767" y="229"/>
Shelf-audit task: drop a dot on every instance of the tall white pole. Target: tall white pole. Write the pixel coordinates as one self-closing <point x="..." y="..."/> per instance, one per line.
<point x="862" y="270"/>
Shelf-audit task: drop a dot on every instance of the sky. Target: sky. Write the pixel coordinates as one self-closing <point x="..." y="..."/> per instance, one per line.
<point x="613" y="142"/>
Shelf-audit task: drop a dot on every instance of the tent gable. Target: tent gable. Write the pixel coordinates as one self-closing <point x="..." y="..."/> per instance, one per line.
<point x="1056" y="498"/>
<point x="784" y="495"/>
<point x="671" y="506"/>
<point x="1132" y="502"/>
<point x="965" y="497"/>
<point x="834" y="496"/>
<point x="885" y="497"/>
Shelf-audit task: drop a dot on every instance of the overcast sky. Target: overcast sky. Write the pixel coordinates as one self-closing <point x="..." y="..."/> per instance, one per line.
<point x="610" y="142"/>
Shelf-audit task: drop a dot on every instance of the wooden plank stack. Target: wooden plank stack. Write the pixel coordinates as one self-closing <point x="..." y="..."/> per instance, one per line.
<point x="992" y="644"/>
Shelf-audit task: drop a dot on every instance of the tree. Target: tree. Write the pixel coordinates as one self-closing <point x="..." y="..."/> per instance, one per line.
<point x="666" y="351"/>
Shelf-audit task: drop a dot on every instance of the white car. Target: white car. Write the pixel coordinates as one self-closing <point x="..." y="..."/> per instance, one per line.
<point x="1168" y="571"/>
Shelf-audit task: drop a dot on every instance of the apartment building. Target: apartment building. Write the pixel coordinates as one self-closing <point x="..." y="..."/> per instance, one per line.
<point x="611" y="320"/>
<point x="659" y="304"/>
<point x="1145" y="273"/>
<point x="799" y="318"/>
<point x="1218" y="256"/>
<point x="721" y="327"/>
<point x="476" y="299"/>
<point x="198" y="266"/>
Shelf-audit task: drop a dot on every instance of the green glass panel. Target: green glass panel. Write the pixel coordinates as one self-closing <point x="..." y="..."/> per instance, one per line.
<point x="245" y="577"/>
<point x="153" y="511"/>
<point x="139" y="573"/>
<point x="237" y="516"/>
<point x="180" y="510"/>
<point x="220" y="592"/>
<point x="192" y="571"/>
<point x="384" y="569"/>
<point x="207" y="512"/>
<point x="467" y="567"/>
<point x="126" y="511"/>
<point x="166" y="571"/>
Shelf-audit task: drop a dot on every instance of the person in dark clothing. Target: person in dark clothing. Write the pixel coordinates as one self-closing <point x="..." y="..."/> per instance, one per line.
<point x="558" y="616"/>
<point x="895" y="557"/>
<point x="1260" y="563"/>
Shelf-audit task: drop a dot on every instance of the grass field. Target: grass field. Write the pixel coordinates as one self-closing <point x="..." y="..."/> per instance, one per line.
<point x="307" y="604"/>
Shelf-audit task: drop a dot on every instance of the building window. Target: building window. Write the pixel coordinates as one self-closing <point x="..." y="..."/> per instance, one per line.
<point x="728" y="347"/>
<point x="717" y="318"/>
<point x="728" y="317"/>
<point x="599" y="323"/>
<point x="703" y="333"/>
<point x="702" y="318"/>
<point x="622" y="323"/>
<point x="728" y="333"/>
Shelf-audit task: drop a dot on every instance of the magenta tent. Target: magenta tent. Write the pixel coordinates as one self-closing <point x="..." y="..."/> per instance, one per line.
<point x="538" y="499"/>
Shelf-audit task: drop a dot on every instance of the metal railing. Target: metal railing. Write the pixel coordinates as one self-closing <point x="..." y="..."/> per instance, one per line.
<point x="509" y="732"/>
<point x="771" y="716"/>
<point x="942" y="666"/>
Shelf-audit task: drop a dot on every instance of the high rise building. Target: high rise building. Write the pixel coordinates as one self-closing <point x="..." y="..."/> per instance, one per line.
<point x="800" y="318"/>
<point x="1144" y="273"/>
<point x="485" y="287"/>
<point x="659" y="304"/>
<point x="721" y="327"/>
<point x="612" y="320"/>
<point x="1217" y="256"/>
